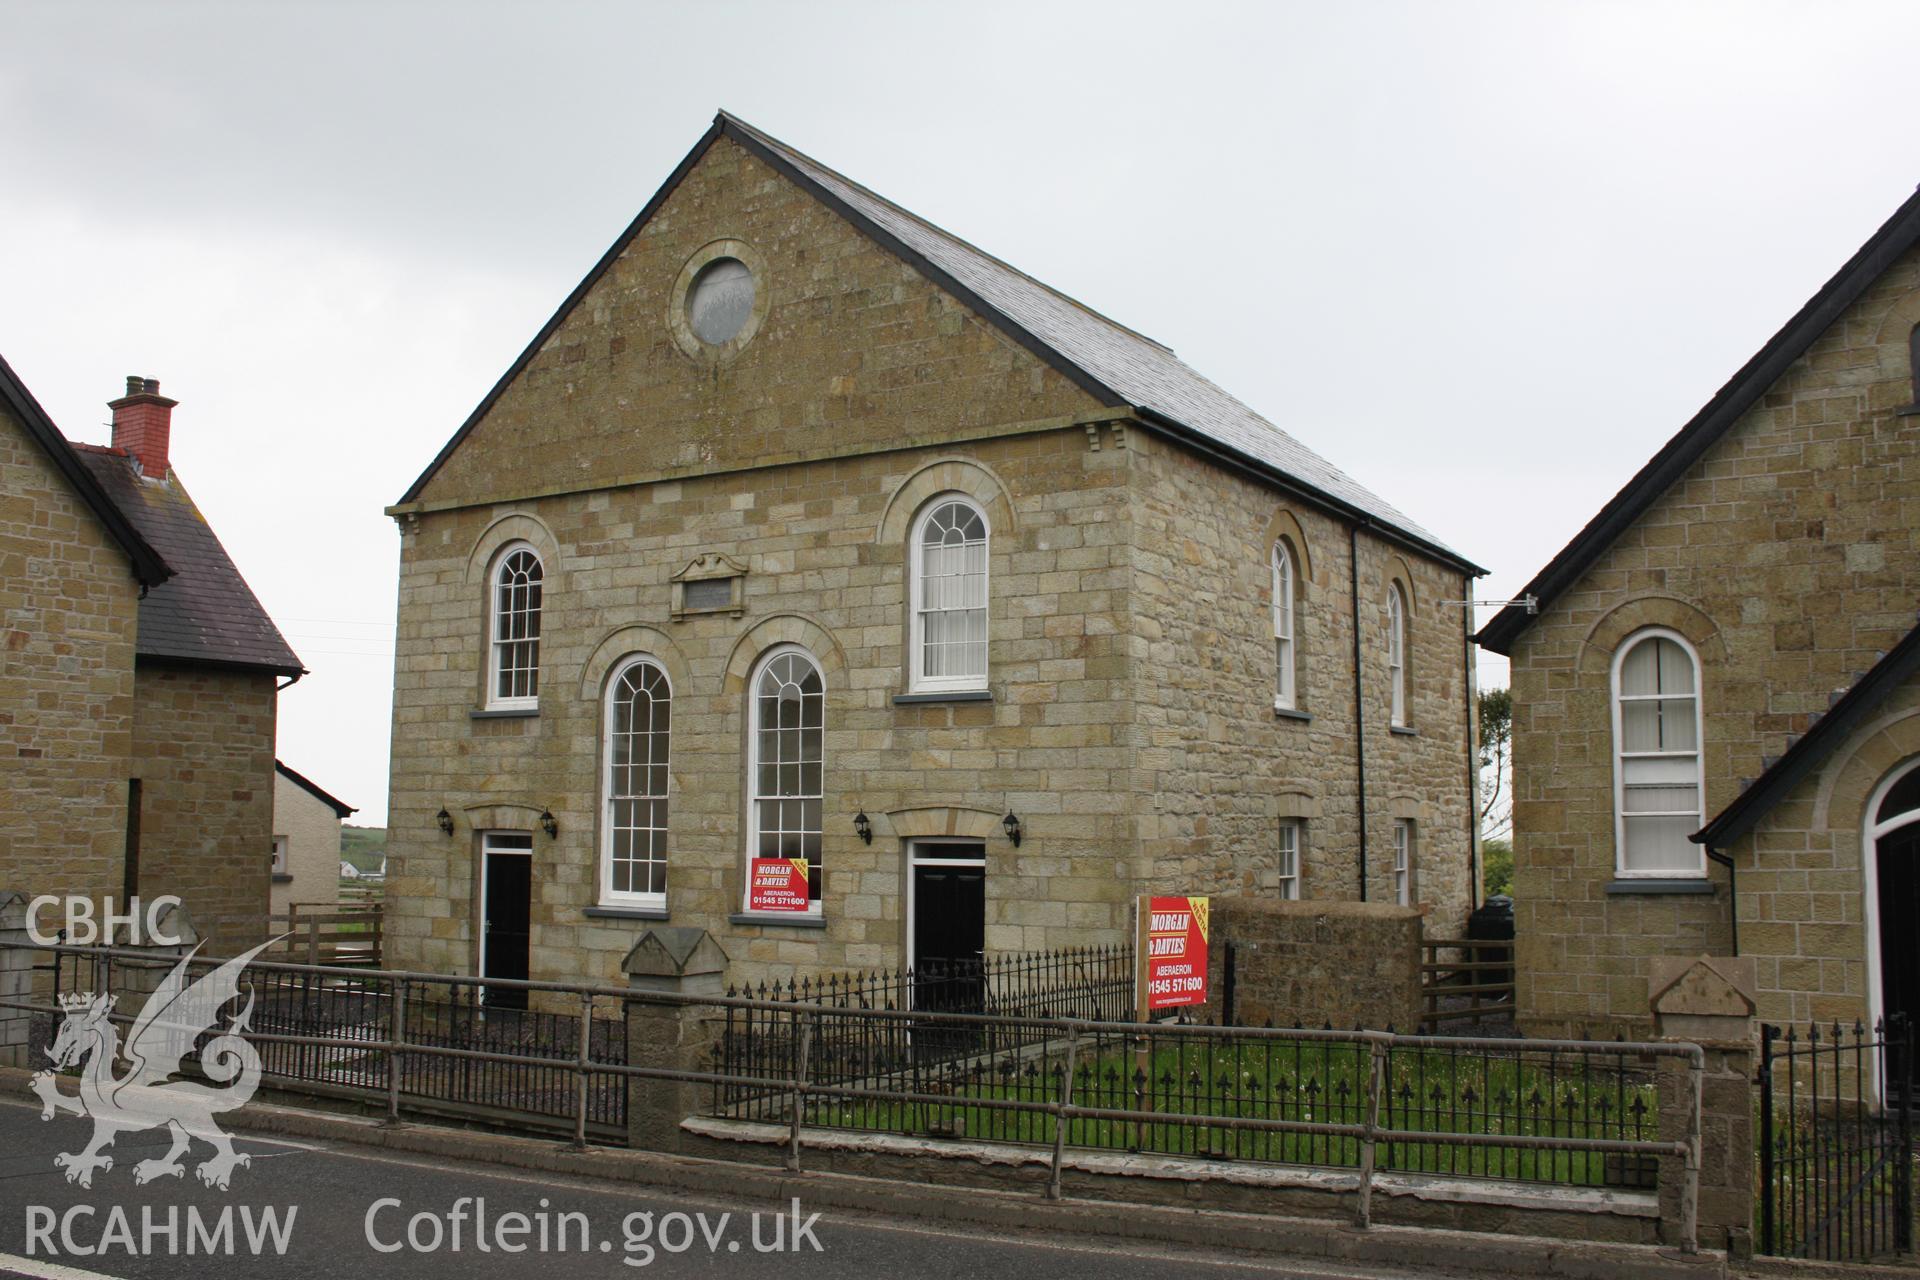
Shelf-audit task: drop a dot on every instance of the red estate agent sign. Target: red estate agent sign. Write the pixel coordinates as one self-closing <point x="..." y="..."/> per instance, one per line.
<point x="1173" y="950"/>
<point x="778" y="884"/>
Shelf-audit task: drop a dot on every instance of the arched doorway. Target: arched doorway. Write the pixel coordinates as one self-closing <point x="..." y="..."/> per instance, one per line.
<point x="1892" y="847"/>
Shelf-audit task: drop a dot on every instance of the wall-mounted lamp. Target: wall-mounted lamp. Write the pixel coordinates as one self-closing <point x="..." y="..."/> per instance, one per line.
<point x="549" y="824"/>
<point x="863" y="827"/>
<point x="445" y="822"/>
<point x="1013" y="828"/>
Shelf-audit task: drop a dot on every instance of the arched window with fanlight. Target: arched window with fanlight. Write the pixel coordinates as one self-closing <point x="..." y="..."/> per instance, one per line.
<point x="1658" y="776"/>
<point x="513" y="664"/>
<point x="1397" y="653"/>
<point x="1286" y="693"/>
<point x="948" y="597"/>
<point x="634" y="783"/>
<point x="786" y="758"/>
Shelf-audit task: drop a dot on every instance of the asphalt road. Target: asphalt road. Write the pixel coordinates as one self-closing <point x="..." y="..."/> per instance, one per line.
<point x="348" y="1211"/>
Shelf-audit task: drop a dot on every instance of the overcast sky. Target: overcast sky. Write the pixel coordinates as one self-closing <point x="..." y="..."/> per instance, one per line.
<point x="1485" y="257"/>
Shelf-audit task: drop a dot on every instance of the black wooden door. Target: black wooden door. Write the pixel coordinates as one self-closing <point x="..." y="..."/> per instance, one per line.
<point x="509" y="892"/>
<point x="949" y="936"/>
<point x="1898" y="855"/>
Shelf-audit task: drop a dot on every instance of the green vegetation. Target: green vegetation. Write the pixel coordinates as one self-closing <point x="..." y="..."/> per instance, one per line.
<point x="1429" y="1091"/>
<point x="1496" y="866"/>
<point x="364" y="847"/>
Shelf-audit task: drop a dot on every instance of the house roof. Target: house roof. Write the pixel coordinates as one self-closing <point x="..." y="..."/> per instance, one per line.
<point x="205" y="613"/>
<point x="1896" y="235"/>
<point x="306" y="784"/>
<point x="1119" y="367"/>
<point x="149" y="568"/>
<point x="1779" y="779"/>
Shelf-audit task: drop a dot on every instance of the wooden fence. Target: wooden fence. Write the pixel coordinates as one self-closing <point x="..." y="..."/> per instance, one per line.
<point x="327" y="933"/>
<point x="1474" y="985"/>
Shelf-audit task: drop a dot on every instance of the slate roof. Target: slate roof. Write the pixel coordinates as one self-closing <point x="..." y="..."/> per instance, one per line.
<point x="306" y="784"/>
<point x="1895" y="237"/>
<point x="1111" y="362"/>
<point x="206" y="612"/>
<point x="1779" y="779"/>
<point x="149" y="568"/>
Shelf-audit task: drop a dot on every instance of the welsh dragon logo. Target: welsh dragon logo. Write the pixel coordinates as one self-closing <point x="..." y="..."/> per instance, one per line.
<point x="145" y="1095"/>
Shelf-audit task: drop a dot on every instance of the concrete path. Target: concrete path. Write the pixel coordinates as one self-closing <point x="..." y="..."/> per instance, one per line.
<point x="337" y="1210"/>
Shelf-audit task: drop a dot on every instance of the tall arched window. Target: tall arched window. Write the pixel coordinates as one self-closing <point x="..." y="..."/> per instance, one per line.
<point x="1397" y="651"/>
<point x="1657" y="766"/>
<point x="633" y="862"/>
<point x="785" y="756"/>
<point x="949" y="597"/>
<point x="1285" y="693"/>
<point x="514" y="662"/>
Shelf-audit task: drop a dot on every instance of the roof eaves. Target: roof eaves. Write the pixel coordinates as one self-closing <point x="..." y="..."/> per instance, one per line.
<point x="149" y="568"/>
<point x="1828" y="732"/>
<point x="587" y="282"/>
<point x="1894" y="237"/>
<point x="307" y="784"/>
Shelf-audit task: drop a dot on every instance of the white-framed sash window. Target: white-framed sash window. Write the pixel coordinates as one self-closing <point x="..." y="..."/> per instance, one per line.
<point x="948" y="605"/>
<point x="635" y="779"/>
<point x="1658" y="773"/>
<point x="513" y="662"/>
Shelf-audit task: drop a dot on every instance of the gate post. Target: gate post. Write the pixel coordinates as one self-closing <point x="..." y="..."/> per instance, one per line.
<point x="1708" y="1002"/>
<point x="669" y="960"/>
<point x="16" y="981"/>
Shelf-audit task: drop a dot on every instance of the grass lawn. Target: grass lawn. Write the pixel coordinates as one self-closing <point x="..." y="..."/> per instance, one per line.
<point x="1432" y="1091"/>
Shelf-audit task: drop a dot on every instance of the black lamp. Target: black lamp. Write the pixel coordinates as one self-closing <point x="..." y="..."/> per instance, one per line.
<point x="549" y="824"/>
<point x="445" y="822"/>
<point x="863" y="827"/>
<point x="1013" y="828"/>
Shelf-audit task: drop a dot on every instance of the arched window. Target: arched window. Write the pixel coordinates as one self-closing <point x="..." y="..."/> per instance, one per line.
<point x="1285" y="692"/>
<point x="1657" y="766"/>
<point x="1913" y="364"/>
<point x="514" y="676"/>
<point x="633" y="862"/>
<point x="949" y="597"/>
<point x="1397" y="651"/>
<point x="785" y="757"/>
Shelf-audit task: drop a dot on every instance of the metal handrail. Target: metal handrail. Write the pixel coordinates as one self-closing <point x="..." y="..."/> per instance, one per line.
<point x="398" y="1047"/>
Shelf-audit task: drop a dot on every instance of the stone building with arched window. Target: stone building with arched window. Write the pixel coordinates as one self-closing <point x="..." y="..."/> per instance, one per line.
<point x="806" y="532"/>
<point x="1716" y="709"/>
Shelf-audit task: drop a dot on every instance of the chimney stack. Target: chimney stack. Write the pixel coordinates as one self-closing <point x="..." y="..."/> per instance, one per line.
<point x="143" y="425"/>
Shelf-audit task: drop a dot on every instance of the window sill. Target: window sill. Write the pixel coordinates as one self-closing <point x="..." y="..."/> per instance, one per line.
<point x="791" y="920"/>
<point x="1403" y="731"/>
<point x="503" y="713"/>
<point x="283" y="877"/>
<point x="625" y="913"/>
<point x="1291" y="713"/>
<point x="1908" y="411"/>
<point x="1653" y="888"/>
<point x="948" y="695"/>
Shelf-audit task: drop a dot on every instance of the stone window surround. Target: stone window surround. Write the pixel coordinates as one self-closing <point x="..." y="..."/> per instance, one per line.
<point x="715" y="354"/>
<point x="513" y="527"/>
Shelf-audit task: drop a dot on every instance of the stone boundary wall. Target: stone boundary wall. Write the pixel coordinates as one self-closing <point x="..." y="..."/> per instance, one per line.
<point x="1348" y="963"/>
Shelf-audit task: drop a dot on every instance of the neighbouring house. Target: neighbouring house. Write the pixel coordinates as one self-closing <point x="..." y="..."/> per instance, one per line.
<point x="137" y="679"/>
<point x="807" y="532"/>
<point x="1716" y="722"/>
<point x="307" y="867"/>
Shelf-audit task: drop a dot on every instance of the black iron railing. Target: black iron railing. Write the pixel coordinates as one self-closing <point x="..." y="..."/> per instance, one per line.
<point x="1836" y="1141"/>
<point x="1488" y="1089"/>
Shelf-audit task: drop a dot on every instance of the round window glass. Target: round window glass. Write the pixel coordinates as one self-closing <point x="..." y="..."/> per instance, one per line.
<point x="720" y="301"/>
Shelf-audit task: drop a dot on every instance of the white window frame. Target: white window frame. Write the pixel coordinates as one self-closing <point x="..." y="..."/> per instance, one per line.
<point x="752" y="782"/>
<point x="1620" y="756"/>
<point x="916" y="656"/>
<point x="1285" y="651"/>
<point x="1287" y="858"/>
<point x="1403" y="853"/>
<point x="609" y="896"/>
<point x="280" y="867"/>
<point x="495" y="643"/>
<point x="1397" y="652"/>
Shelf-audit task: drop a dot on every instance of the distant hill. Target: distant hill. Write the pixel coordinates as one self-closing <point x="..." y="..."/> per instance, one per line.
<point x="364" y="847"/>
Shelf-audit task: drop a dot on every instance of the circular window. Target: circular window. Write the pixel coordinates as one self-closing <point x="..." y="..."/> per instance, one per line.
<point x="720" y="301"/>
